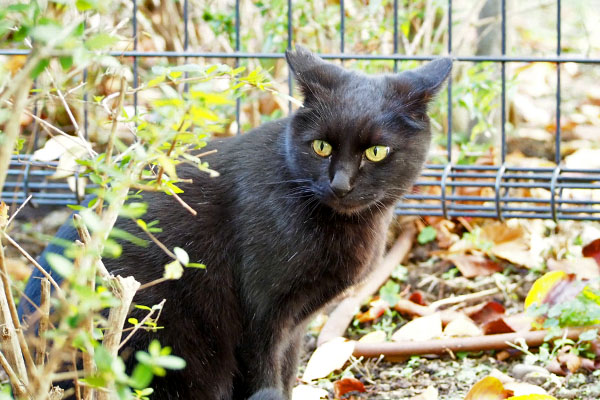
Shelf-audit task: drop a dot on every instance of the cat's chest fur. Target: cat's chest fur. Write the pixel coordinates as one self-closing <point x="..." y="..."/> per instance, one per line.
<point x="258" y="232"/>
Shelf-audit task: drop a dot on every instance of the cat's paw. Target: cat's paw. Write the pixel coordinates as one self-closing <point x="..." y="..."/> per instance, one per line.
<point x="267" y="394"/>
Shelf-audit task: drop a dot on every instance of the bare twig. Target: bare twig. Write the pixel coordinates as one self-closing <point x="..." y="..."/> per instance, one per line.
<point x="36" y="265"/>
<point x="124" y="289"/>
<point x="13" y="313"/>
<point x="465" y="297"/>
<point x="12" y="128"/>
<point x="9" y="336"/>
<point x="142" y="322"/>
<point x="18" y="386"/>
<point x="40" y="352"/>
<point x="111" y="139"/>
<point x="19" y="209"/>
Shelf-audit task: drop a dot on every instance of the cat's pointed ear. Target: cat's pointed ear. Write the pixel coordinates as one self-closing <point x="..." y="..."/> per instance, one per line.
<point x="316" y="77"/>
<point x="427" y="80"/>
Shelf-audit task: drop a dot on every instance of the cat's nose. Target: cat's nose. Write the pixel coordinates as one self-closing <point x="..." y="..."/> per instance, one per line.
<point x="340" y="185"/>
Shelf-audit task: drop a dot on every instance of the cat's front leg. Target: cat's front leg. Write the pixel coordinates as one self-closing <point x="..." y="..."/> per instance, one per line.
<point x="290" y="357"/>
<point x="259" y="364"/>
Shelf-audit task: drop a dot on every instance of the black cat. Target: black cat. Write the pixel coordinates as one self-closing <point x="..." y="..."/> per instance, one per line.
<point x="298" y="214"/>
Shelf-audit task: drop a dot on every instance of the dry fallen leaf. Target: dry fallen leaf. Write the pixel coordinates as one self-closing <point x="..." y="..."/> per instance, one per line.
<point x="462" y="326"/>
<point x="523" y="388"/>
<point x="489" y="388"/>
<point x="419" y="329"/>
<point x="376" y="309"/>
<point x="592" y="250"/>
<point x="430" y="393"/>
<point x="583" y="268"/>
<point x="540" y="288"/>
<point x="373" y="337"/>
<point x="3" y="214"/>
<point x="328" y="357"/>
<point x="347" y="385"/>
<point x="306" y="392"/>
<point x="471" y="266"/>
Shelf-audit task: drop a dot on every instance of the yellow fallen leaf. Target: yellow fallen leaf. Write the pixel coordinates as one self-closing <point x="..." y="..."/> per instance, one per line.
<point x="419" y="329"/>
<point x="489" y="388"/>
<point x="328" y="357"/>
<point x="540" y="288"/>
<point x="524" y="389"/>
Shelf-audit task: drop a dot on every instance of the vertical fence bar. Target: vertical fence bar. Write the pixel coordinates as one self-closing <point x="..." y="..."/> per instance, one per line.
<point x="186" y="41"/>
<point x="342" y="27"/>
<point x="238" y="104"/>
<point x="135" y="58"/>
<point x="395" y="34"/>
<point x="503" y="77"/>
<point x="289" y="46"/>
<point x="557" y="156"/>
<point x="449" y="143"/>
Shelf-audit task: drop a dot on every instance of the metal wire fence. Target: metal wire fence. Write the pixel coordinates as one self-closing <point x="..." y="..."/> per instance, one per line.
<point x="443" y="190"/>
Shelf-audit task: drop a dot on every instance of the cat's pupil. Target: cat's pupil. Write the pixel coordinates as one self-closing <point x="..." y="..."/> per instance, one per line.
<point x="375" y="151"/>
<point x="322" y="146"/>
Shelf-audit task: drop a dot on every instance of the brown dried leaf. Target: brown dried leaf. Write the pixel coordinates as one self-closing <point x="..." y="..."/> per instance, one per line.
<point x="347" y="385"/>
<point x="485" y="312"/>
<point x="592" y="249"/>
<point x="471" y="266"/>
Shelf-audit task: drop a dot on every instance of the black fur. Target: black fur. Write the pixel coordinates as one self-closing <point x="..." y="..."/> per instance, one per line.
<point x="277" y="242"/>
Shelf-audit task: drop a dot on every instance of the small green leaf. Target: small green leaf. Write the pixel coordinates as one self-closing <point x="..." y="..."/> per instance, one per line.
<point x="100" y="41"/>
<point x="389" y="292"/>
<point x="37" y="70"/>
<point x="142" y="224"/>
<point x="141" y="377"/>
<point x="170" y="362"/>
<point x="61" y="265"/>
<point x="66" y="62"/>
<point x="196" y="265"/>
<point x="427" y="235"/>
<point x="133" y="321"/>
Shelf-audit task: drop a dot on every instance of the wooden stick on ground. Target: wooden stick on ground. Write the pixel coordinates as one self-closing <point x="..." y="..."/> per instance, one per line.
<point x="342" y="316"/>
<point x="478" y="343"/>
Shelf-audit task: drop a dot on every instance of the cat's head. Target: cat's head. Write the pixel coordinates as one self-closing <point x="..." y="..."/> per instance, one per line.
<point x="360" y="141"/>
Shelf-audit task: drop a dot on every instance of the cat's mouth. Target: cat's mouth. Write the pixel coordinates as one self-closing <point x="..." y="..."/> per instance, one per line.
<point x="348" y="205"/>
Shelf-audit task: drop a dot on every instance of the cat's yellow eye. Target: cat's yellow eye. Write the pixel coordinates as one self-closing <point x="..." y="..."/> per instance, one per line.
<point x="377" y="153"/>
<point x="322" y="148"/>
